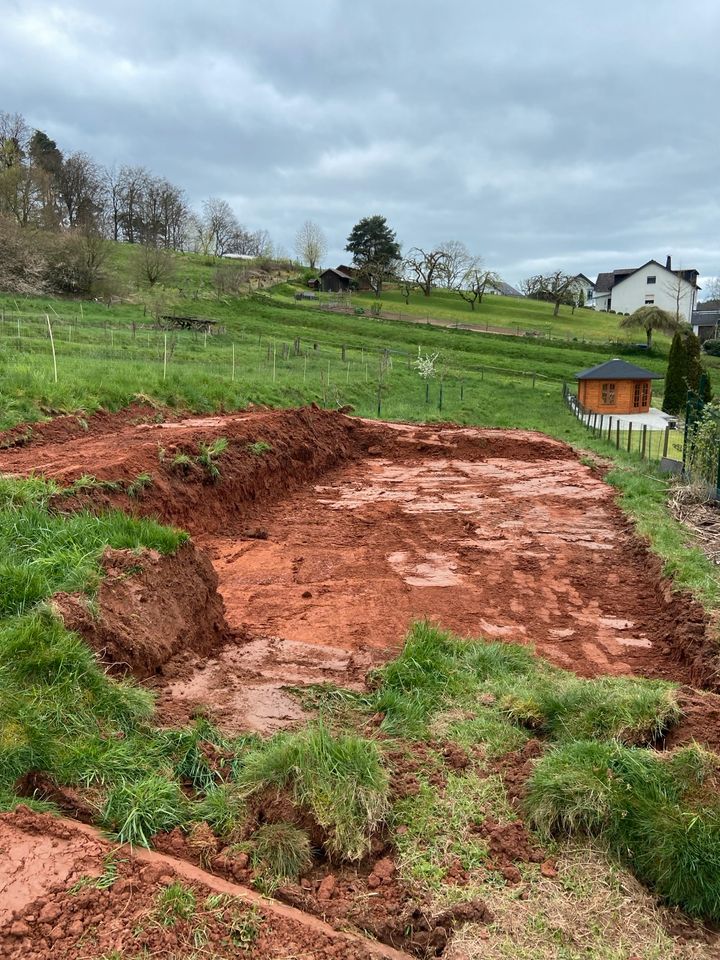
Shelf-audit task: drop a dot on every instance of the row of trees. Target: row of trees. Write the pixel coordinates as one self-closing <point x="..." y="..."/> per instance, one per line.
<point x="41" y="187"/>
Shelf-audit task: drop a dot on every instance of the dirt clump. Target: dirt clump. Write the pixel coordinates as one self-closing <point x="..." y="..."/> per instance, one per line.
<point x="700" y="720"/>
<point x="149" y="608"/>
<point x="375" y="900"/>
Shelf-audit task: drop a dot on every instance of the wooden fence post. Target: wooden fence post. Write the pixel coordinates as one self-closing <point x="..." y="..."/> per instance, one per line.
<point x="666" y="441"/>
<point x="644" y="441"/>
<point x="629" y="435"/>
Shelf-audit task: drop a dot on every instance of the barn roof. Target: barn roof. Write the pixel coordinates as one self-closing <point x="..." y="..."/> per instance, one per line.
<point x="338" y="273"/>
<point x="617" y="370"/>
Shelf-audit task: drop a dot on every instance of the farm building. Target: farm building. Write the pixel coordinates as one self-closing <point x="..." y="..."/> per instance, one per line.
<point x="650" y="285"/>
<point x="334" y="281"/>
<point x="615" y="386"/>
<point x="501" y="289"/>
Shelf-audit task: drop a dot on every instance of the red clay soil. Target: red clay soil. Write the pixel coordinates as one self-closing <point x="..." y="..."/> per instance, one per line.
<point x="53" y="904"/>
<point x="329" y="543"/>
<point x="152" y="607"/>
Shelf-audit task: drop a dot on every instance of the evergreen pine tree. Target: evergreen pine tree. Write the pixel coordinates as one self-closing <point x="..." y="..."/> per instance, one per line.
<point x="676" y="376"/>
<point x="694" y="364"/>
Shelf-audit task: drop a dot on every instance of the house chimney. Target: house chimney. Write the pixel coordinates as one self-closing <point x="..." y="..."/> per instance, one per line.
<point x="668" y="263"/>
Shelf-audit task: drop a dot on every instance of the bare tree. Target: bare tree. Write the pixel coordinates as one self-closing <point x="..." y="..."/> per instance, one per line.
<point x="555" y="288"/>
<point x="153" y="265"/>
<point x="425" y="266"/>
<point x="681" y="292"/>
<point x="458" y="264"/>
<point x="406" y="282"/>
<point x="221" y="223"/>
<point x="472" y="285"/>
<point x="80" y="190"/>
<point x="310" y="244"/>
<point x="133" y="182"/>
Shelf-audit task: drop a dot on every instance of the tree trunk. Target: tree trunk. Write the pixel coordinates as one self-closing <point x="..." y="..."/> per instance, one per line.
<point x="648" y="334"/>
<point x="556" y="311"/>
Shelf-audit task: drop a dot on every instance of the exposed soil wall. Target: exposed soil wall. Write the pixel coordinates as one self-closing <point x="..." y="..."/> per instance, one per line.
<point x="149" y="608"/>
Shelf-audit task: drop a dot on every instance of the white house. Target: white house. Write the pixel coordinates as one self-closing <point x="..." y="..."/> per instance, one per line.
<point x="584" y="285"/>
<point x="650" y="285"/>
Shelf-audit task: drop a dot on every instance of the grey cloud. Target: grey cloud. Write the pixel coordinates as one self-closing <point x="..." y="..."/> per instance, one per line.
<point x="576" y="135"/>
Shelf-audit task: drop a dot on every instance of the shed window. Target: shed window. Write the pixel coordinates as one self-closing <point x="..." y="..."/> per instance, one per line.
<point x="641" y="394"/>
<point x="608" y="394"/>
<point x="649" y="301"/>
<point x="651" y="279"/>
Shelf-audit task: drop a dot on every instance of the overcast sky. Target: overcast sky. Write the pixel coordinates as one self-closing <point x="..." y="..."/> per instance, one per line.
<point x="571" y="134"/>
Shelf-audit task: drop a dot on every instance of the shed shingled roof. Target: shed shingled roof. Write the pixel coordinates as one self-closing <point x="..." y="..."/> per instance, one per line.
<point x="617" y="370"/>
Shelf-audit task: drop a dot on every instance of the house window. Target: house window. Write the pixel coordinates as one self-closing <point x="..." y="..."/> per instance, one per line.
<point x="649" y="301"/>
<point x="608" y="394"/>
<point x="651" y="279"/>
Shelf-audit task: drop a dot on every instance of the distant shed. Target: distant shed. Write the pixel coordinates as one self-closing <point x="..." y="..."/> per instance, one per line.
<point x="334" y="281"/>
<point x="616" y="386"/>
<point x="201" y="324"/>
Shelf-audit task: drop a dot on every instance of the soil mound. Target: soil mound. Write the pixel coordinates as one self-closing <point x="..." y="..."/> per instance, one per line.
<point x="148" y="609"/>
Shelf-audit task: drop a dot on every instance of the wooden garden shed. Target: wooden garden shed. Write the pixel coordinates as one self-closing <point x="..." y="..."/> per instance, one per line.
<point x="615" y="386"/>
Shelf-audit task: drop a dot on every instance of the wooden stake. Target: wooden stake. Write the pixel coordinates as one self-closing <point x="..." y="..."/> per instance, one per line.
<point x="52" y="344"/>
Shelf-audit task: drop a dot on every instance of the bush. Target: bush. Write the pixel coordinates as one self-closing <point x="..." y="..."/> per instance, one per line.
<point x="712" y="347"/>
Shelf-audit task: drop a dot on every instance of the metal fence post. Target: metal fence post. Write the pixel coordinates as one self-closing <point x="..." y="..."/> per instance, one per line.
<point x="666" y="441"/>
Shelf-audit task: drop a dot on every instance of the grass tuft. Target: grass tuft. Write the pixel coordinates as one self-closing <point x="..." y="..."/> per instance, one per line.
<point x="660" y="814"/>
<point x="135" y="812"/>
<point x="339" y="780"/>
<point x="280" y="851"/>
<point x="175" y="902"/>
<point x="224" y="809"/>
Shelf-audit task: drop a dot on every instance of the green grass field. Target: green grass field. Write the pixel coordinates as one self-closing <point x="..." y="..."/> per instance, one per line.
<point x="284" y="354"/>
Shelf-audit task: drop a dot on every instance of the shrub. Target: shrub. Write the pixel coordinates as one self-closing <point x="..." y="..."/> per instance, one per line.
<point x="712" y="347"/>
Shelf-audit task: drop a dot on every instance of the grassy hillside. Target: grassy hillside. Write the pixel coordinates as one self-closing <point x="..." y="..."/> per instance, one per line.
<point x="283" y="354"/>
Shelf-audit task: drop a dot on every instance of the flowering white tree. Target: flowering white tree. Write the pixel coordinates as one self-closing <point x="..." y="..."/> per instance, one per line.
<point x="426" y="364"/>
